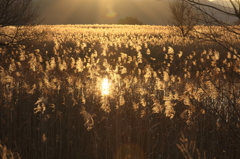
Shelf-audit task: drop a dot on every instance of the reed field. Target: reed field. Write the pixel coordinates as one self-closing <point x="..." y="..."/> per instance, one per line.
<point x="119" y="92"/>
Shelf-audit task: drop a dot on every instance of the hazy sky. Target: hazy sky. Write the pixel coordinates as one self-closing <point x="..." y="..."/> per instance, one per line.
<point x="221" y="2"/>
<point x="152" y="12"/>
<point x="103" y="11"/>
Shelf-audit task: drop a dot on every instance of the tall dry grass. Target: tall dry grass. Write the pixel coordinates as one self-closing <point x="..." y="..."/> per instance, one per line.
<point x="168" y="98"/>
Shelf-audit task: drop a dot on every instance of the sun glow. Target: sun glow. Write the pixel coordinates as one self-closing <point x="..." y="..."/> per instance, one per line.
<point x="105" y="87"/>
<point x="111" y="13"/>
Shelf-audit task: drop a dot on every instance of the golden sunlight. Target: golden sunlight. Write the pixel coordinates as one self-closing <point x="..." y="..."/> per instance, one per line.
<point x="105" y="86"/>
<point x="111" y="13"/>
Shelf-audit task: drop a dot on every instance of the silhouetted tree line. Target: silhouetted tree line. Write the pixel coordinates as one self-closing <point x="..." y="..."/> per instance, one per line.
<point x="130" y="21"/>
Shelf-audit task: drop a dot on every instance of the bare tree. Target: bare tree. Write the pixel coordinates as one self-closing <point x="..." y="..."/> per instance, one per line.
<point x="220" y="14"/>
<point x="221" y="30"/>
<point x="15" y="13"/>
<point x="184" y="16"/>
<point x="228" y="8"/>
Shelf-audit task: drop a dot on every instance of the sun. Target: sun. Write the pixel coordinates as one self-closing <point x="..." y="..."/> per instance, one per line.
<point x="110" y="12"/>
<point x="105" y="86"/>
